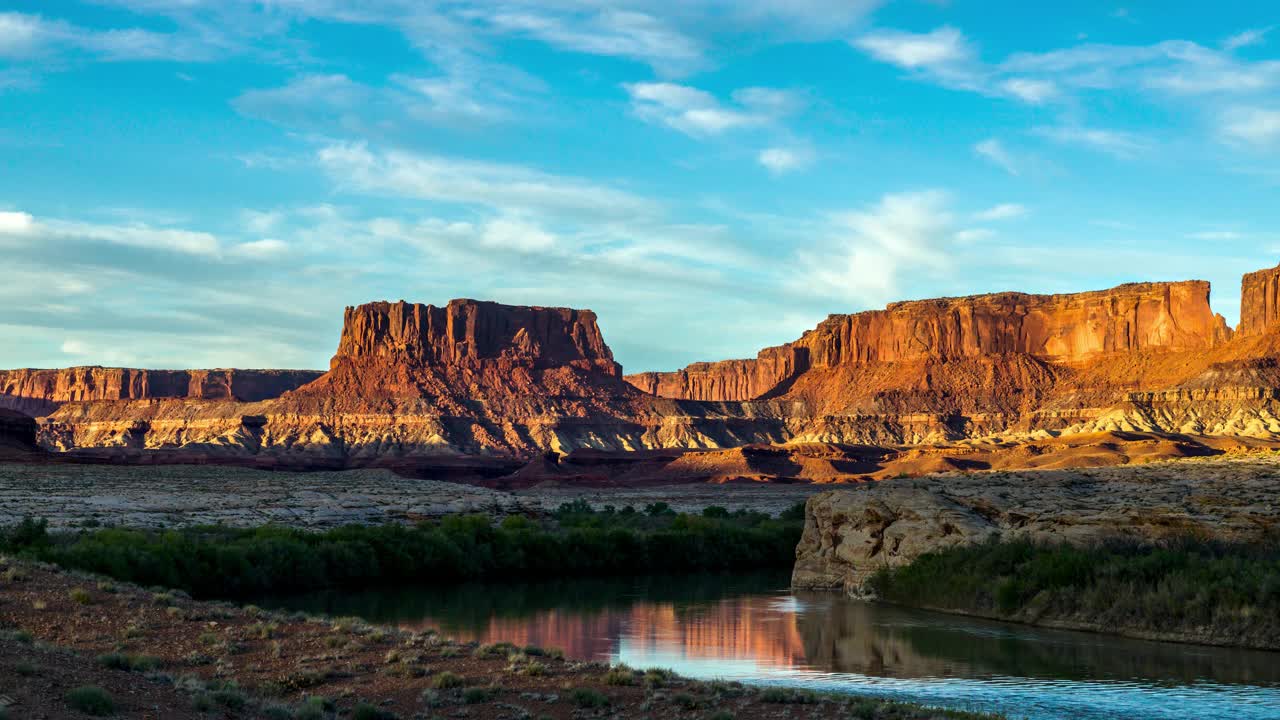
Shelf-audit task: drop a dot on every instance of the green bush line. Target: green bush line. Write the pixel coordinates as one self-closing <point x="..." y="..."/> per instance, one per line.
<point x="1187" y="586"/>
<point x="223" y="562"/>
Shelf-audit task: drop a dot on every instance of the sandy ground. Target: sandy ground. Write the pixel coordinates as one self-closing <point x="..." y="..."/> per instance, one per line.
<point x="71" y="495"/>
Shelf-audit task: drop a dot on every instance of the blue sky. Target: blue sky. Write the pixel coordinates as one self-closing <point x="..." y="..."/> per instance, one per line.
<point x="198" y="183"/>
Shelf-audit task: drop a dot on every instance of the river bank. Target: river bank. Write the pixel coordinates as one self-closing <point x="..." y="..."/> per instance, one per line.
<point x="1184" y="552"/>
<point x="152" y="654"/>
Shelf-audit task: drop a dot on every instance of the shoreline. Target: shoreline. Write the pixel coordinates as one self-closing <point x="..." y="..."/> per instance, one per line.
<point x="1066" y="625"/>
<point x="161" y="654"/>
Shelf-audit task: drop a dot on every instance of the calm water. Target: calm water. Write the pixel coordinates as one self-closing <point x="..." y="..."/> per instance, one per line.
<point x="753" y="629"/>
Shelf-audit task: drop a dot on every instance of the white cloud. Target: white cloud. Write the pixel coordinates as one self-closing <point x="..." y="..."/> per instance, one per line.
<point x="1116" y="143"/>
<point x="16" y="223"/>
<point x="74" y="347"/>
<point x="27" y="37"/>
<point x="972" y="235"/>
<point x="698" y="113"/>
<point x="495" y="185"/>
<point x="611" y="32"/>
<point x="994" y="151"/>
<point x="1035" y="92"/>
<point x="516" y="234"/>
<point x="20" y="35"/>
<point x="1003" y="211"/>
<point x="136" y="235"/>
<point x="265" y="249"/>
<point x="24" y="227"/>
<point x="940" y="47"/>
<point x="1253" y="126"/>
<point x="1246" y="38"/>
<point x="782" y="160"/>
<point x="869" y="250"/>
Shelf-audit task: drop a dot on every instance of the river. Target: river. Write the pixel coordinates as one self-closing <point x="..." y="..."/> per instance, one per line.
<point x="753" y="629"/>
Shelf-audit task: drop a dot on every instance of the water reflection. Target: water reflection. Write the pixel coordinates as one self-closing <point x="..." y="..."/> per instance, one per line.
<point x="747" y="628"/>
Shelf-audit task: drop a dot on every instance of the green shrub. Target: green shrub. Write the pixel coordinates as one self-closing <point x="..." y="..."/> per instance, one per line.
<point x="447" y="681"/>
<point x="589" y="699"/>
<point x="80" y="596"/>
<point x="477" y="695"/>
<point x="621" y="675"/>
<point x="685" y="701"/>
<point x="276" y="711"/>
<point x="91" y="700"/>
<point x="122" y="661"/>
<point x="788" y="696"/>
<point x="226" y="562"/>
<point x="1181" y="585"/>
<point x="365" y="711"/>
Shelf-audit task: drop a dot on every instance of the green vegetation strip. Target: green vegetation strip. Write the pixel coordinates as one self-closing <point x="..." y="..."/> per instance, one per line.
<point x="223" y="562"/>
<point x="1201" y="590"/>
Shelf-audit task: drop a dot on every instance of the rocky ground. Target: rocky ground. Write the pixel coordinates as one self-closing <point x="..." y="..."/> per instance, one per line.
<point x="851" y="533"/>
<point x="70" y="643"/>
<point x="72" y="495"/>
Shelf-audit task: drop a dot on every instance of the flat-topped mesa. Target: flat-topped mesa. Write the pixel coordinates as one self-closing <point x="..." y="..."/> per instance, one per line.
<point x="1259" y="301"/>
<point x="1067" y="329"/>
<point x="38" y="392"/>
<point x="471" y="333"/>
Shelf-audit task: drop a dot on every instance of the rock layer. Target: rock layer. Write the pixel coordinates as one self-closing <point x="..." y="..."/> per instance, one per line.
<point x="39" y="392"/>
<point x="1062" y="329"/>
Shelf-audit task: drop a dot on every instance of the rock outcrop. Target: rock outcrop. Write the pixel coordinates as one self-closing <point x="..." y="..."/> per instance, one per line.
<point x="849" y="534"/>
<point x="40" y="392"/>
<point x="471" y="334"/>
<point x="1259" y="301"/>
<point x="1061" y="329"/>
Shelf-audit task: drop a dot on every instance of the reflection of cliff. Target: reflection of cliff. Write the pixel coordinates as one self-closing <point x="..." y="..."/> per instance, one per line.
<point x="735" y="629"/>
<point x="842" y="635"/>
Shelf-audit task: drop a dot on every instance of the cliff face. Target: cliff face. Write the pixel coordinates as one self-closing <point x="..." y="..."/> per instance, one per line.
<point x="468" y="333"/>
<point x="728" y="380"/>
<point x="1062" y="329"/>
<point x="39" y="392"/>
<point x="1259" y="301"/>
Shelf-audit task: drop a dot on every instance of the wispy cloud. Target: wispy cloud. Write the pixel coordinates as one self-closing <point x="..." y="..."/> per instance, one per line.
<point x="354" y="166"/>
<point x="699" y="113"/>
<point x="32" y="37"/>
<point x="994" y="151"/>
<point x="1116" y="143"/>
<point x="1003" y="211"/>
<point x="783" y="160"/>
<point x="869" y="250"/>
<point x="1251" y="126"/>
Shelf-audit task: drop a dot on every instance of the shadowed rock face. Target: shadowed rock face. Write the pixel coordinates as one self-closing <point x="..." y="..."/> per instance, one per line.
<point x="1062" y="329"/>
<point x="1259" y="301"/>
<point x="40" y="392"/>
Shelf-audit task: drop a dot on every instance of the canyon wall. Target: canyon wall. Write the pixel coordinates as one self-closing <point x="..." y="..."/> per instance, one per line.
<point x="1063" y="329"/>
<point x="40" y="392"/>
<point x="1259" y="301"/>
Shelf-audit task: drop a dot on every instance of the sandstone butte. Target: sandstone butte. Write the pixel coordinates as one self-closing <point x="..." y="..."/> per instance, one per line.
<point x="482" y="380"/>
